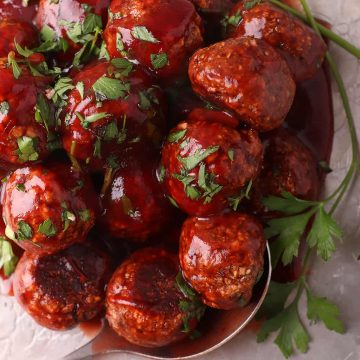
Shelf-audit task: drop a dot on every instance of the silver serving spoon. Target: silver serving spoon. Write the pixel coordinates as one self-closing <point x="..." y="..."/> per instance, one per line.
<point x="217" y="328"/>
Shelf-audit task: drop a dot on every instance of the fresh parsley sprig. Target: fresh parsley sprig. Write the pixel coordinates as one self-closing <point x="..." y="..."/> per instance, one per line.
<point x="8" y="259"/>
<point x="282" y="313"/>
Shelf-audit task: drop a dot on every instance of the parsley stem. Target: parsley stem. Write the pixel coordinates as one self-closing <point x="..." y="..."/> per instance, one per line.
<point x="107" y="180"/>
<point x="343" y="187"/>
<point x="321" y="28"/>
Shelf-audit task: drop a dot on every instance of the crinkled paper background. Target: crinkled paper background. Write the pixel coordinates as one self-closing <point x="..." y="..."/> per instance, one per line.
<point x="339" y="279"/>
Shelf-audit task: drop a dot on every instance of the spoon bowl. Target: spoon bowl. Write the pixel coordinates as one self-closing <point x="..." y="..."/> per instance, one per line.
<point x="217" y="328"/>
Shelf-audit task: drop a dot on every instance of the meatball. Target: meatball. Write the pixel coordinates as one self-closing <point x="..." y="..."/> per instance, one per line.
<point x="16" y="10"/>
<point x="135" y="205"/>
<point x="60" y="290"/>
<point x="118" y="107"/>
<point x="71" y="20"/>
<point x="16" y="31"/>
<point x="145" y="305"/>
<point x="27" y="118"/>
<point x="222" y="258"/>
<point x="205" y="163"/>
<point x="246" y="76"/>
<point x="47" y="209"/>
<point x="214" y="5"/>
<point x="290" y="166"/>
<point x="159" y="34"/>
<point x="301" y="47"/>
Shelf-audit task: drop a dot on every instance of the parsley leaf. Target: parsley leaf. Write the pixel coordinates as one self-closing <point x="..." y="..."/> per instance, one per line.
<point x="8" y="259"/>
<point x="231" y="154"/>
<point x="80" y="88"/>
<point x="14" y="65"/>
<point x="109" y="89"/>
<point x="24" y="231"/>
<point x="142" y="33"/>
<point x="250" y="4"/>
<point x="320" y="308"/>
<point x="191" y="161"/>
<point x="173" y="202"/>
<point x="4" y="108"/>
<point x="233" y="20"/>
<point x="44" y="113"/>
<point x="158" y="61"/>
<point x="288" y="231"/>
<point x="124" y="65"/>
<point x="292" y="331"/>
<point x="174" y="137"/>
<point x="27" y="149"/>
<point x="85" y="215"/>
<point x="322" y="234"/>
<point x="87" y="120"/>
<point x="47" y="228"/>
<point x="244" y="194"/>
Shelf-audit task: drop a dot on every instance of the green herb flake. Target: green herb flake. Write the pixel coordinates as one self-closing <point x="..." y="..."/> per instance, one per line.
<point x="248" y="5"/>
<point x="14" y="65"/>
<point x="191" y="161"/>
<point x="25" y="52"/>
<point x="4" y="108"/>
<point x="24" y="231"/>
<point x="158" y="61"/>
<point x="85" y="215"/>
<point x="142" y="33"/>
<point x="47" y="228"/>
<point x="325" y="167"/>
<point x="20" y="187"/>
<point x="109" y="89"/>
<point x="97" y="148"/>
<point x="176" y="136"/>
<point x="27" y="149"/>
<point x="123" y="65"/>
<point x="87" y="120"/>
<point x="173" y="202"/>
<point x="231" y="153"/>
<point x="8" y="259"/>
<point x="67" y="217"/>
<point x="80" y="88"/>
<point x="44" y="113"/>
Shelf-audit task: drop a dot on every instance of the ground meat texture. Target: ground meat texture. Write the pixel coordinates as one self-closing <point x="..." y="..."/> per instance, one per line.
<point x="289" y="165"/>
<point x="301" y="47"/>
<point x="142" y="299"/>
<point x="62" y="15"/>
<point x="246" y="76"/>
<point x="135" y="205"/>
<point x="159" y="34"/>
<point x="25" y="136"/>
<point x="206" y="163"/>
<point x="60" y="290"/>
<point x="222" y="258"/>
<point x="47" y="209"/>
<point x="12" y="31"/>
<point x="99" y="123"/>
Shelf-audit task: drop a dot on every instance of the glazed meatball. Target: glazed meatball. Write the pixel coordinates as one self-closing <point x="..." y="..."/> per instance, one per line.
<point x="60" y="290"/>
<point x="159" y="34"/>
<point x="20" y="32"/>
<point x="246" y="76"/>
<point x="301" y="47"/>
<point x="214" y="5"/>
<point x="27" y="120"/>
<point x="16" y="10"/>
<point x="222" y="258"/>
<point x="144" y="303"/>
<point x="135" y="205"/>
<point x="72" y="21"/>
<point x="290" y="166"/>
<point x="47" y="209"/>
<point x="119" y="107"/>
<point x="205" y="163"/>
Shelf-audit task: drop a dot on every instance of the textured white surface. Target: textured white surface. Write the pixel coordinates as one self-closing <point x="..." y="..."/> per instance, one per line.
<point x="338" y="279"/>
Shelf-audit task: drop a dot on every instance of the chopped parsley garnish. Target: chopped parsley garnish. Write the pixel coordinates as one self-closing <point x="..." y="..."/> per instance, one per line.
<point x="123" y="66"/>
<point x="248" y="5"/>
<point x="142" y="33"/>
<point x="27" y="149"/>
<point x="47" y="228"/>
<point x="24" y="231"/>
<point x="173" y="202"/>
<point x="44" y="113"/>
<point x="14" y="65"/>
<point x="97" y="148"/>
<point x="231" y="154"/>
<point x="67" y="216"/>
<point x="87" y="120"/>
<point x="8" y="259"/>
<point x="206" y="182"/>
<point x="158" y="61"/>
<point x="20" y="187"/>
<point x="80" y="88"/>
<point x="4" y="108"/>
<point x="174" y="137"/>
<point x="325" y="167"/>
<point x="192" y="307"/>
<point x="112" y="162"/>
<point x="191" y="161"/>
<point x="62" y="86"/>
<point x="109" y="89"/>
<point x="85" y="214"/>
<point x="120" y="44"/>
<point x="244" y="194"/>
